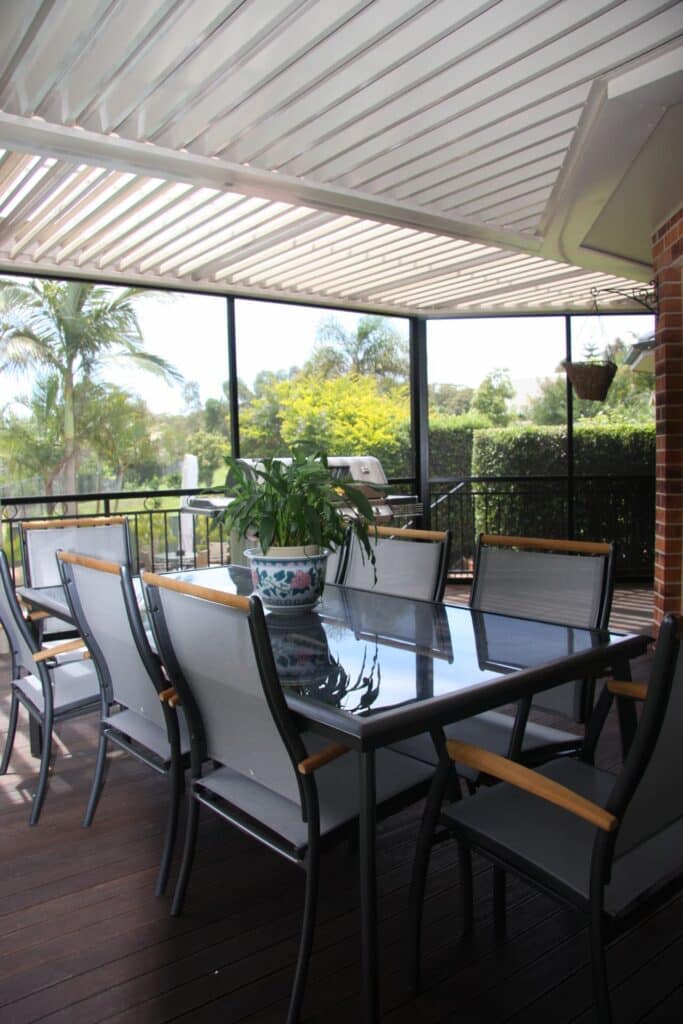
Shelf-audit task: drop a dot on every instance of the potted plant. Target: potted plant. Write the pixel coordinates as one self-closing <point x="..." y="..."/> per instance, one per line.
<point x="297" y="512"/>
<point x="591" y="378"/>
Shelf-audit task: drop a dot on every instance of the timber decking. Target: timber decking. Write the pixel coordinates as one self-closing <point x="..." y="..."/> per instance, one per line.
<point x="83" y="938"/>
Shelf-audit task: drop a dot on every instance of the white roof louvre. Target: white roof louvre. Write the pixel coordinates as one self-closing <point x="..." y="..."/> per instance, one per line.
<point x="410" y="156"/>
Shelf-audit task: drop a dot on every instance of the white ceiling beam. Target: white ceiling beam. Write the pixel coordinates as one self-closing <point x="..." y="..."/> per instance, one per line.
<point x="31" y="135"/>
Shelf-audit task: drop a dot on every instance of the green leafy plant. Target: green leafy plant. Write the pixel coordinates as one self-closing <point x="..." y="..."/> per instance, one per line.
<point x="295" y="503"/>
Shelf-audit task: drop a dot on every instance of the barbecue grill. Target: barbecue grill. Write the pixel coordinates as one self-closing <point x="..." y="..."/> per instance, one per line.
<point x="364" y="471"/>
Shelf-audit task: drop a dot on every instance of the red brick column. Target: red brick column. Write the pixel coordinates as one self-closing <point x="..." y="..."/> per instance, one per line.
<point x="667" y="258"/>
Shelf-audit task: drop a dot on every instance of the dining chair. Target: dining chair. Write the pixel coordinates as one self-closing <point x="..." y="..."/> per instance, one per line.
<point x="51" y="690"/>
<point x="408" y="563"/>
<point x="609" y="845"/>
<point x="563" y="581"/>
<point x="105" y="537"/>
<point x="250" y="764"/>
<point x="135" y="712"/>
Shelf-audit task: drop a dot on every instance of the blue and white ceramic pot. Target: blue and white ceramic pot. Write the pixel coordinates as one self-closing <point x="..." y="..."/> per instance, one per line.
<point x="288" y="579"/>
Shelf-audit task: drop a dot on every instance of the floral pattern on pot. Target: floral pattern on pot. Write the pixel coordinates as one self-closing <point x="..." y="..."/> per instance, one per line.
<point x="288" y="582"/>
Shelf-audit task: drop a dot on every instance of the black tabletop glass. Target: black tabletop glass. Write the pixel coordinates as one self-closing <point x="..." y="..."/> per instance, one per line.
<point x="364" y="653"/>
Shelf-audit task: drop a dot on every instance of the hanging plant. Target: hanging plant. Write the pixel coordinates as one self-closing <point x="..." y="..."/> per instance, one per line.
<point x="591" y="379"/>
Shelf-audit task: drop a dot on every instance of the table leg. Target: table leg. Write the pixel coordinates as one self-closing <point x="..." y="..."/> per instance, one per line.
<point x="368" y="888"/>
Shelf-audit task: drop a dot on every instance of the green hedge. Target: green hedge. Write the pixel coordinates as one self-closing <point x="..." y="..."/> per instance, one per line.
<point x="450" y="445"/>
<point x="608" y="450"/>
<point x="607" y="509"/>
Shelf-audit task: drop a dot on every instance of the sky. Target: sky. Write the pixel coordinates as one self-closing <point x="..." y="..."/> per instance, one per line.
<point x="190" y="331"/>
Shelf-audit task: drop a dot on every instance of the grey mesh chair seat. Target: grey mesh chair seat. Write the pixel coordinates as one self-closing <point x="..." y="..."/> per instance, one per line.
<point x="610" y="845"/>
<point x="408" y="563"/>
<point x="491" y="730"/>
<point x="558" y="845"/>
<point x="131" y="682"/>
<point x="73" y="683"/>
<point x="148" y="735"/>
<point x="338" y="788"/>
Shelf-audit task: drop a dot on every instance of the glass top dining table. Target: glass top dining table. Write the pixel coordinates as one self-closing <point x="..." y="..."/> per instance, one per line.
<point x="367" y="669"/>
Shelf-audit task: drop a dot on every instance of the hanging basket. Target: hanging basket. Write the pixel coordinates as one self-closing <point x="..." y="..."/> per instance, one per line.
<point x="591" y="380"/>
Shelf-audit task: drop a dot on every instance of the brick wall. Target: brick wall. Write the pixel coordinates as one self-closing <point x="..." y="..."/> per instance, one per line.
<point x="667" y="258"/>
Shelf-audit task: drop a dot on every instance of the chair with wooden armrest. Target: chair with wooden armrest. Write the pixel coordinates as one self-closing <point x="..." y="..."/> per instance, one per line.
<point x="137" y="708"/>
<point x="105" y="537"/>
<point x="609" y="845"/>
<point x="568" y="582"/>
<point x="249" y="763"/>
<point x="408" y="563"/>
<point x="52" y="683"/>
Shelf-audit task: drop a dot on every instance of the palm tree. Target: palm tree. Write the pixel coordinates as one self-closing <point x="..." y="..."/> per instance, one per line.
<point x="68" y="330"/>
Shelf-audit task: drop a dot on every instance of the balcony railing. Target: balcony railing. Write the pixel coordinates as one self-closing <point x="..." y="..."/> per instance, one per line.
<point x="166" y="537"/>
<point x="162" y="537"/>
<point x="618" y="508"/>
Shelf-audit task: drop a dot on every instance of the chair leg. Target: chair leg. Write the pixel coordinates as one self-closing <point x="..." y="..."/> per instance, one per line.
<point x="175" y="778"/>
<point x="11" y="733"/>
<point x="423" y="851"/>
<point x="306" y="942"/>
<point x="98" y="780"/>
<point x="499" y="899"/>
<point x="188" y="856"/>
<point x="599" y="968"/>
<point x="44" y="771"/>
<point x="465" y="859"/>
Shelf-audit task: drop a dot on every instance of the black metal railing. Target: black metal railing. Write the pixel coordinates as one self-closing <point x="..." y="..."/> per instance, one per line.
<point x="619" y="508"/>
<point x="162" y="538"/>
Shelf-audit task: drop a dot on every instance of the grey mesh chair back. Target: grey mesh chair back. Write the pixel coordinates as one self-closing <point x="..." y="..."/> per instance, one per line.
<point x="238" y="727"/>
<point x="21" y="640"/>
<point x="554" y="581"/>
<point x="408" y="563"/>
<point x="568" y="582"/>
<point x="104" y="537"/>
<point x="657" y="802"/>
<point x="103" y="603"/>
<point x="135" y="713"/>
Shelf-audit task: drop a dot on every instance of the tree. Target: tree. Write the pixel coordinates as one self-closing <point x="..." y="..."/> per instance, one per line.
<point x="31" y="446"/>
<point x="68" y="330"/>
<point x="350" y="415"/>
<point x="210" y="450"/>
<point x="123" y="438"/>
<point x="450" y="399"/>
<point x="375" y="348"/>
<point x="492" y="396"/>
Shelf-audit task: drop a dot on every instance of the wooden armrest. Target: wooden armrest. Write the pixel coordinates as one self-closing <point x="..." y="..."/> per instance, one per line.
<point x="531" y="782"/>
<point x="170" y="697"/>
<point x="36" y="616"/>
<point x="637" y="691"/>
<point x="52" y="652"/>
<point x="329" y="753"/>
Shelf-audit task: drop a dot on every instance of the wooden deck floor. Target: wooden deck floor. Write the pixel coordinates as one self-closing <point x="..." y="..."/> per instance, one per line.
<point x="85" y="940"/>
